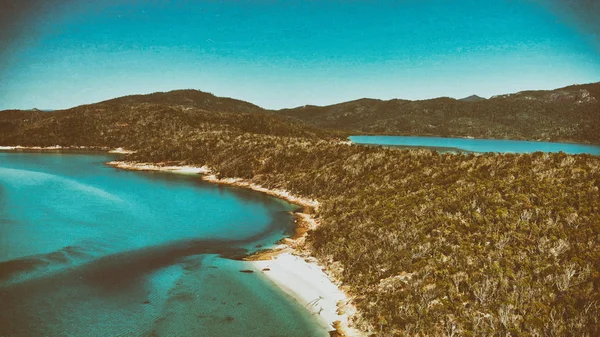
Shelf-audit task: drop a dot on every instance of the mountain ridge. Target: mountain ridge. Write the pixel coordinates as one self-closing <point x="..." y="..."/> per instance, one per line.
<point x="161" y="97"/>
<point x="569" y="114"/>
<point x="566" y="114"/>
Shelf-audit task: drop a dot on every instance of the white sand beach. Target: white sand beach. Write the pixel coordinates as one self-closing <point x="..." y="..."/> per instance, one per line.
<point x="306" y="282"/>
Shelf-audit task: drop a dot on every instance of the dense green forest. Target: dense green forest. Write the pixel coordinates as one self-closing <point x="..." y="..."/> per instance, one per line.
<point x="426" y="243"/>
<point x="567" y="114"/>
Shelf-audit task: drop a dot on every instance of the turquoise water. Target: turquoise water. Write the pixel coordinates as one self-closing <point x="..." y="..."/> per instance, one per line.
<point x="477" y="145"/>
<point x="89" y="250"/>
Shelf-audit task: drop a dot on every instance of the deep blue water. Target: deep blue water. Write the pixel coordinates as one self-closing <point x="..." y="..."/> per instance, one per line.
<point x="89" y="250"/>
<point x="477" y="145"/>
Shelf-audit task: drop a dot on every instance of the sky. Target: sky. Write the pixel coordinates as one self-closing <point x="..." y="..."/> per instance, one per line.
<point x="62" y="53"/>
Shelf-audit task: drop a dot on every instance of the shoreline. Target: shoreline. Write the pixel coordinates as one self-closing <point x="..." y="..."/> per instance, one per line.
<point x="292" y="270"/>
<point x="310" y="204"/>
<point x="118" y="150"/>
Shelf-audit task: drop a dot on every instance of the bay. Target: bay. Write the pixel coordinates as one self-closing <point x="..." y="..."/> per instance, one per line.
<point x="89" y="250"/>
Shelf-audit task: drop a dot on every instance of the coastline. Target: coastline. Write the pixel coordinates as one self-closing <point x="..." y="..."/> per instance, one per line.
<point x="310" y="204"/>
<point x="289" y="267"/>
<point x="118" y="150"/>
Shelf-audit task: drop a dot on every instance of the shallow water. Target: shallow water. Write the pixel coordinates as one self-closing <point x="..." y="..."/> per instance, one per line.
<point x="476" y="145"/>
<point x="89" y="250"/>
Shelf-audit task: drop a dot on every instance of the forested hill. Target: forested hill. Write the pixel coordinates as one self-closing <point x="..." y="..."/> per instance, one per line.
<point x="567" y="114"/>
<point x="141" y="121"/>
<point x="189" y="98"/>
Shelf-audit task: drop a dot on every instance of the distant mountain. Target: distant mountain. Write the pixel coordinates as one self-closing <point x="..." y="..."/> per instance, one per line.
<point x="566" y="114"/>
<point x="472" y="98"/>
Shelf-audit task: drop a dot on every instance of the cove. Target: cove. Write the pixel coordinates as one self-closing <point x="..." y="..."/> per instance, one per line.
<point x="476" y="145"/>
<point x="90" y="250"/>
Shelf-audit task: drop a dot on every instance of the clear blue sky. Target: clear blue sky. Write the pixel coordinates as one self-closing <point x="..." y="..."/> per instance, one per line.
<point x="277" y="54"/>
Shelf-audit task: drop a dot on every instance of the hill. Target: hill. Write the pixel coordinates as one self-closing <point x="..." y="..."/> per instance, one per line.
<point x="569" y="114"/>
<point x="189" y="98"/>
<point x="133" y="121"/>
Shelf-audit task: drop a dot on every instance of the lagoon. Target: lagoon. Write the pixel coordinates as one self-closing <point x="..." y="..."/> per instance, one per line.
<point x="90" y="250"/>
<point x="476" y="145"/>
